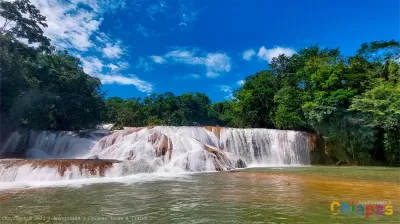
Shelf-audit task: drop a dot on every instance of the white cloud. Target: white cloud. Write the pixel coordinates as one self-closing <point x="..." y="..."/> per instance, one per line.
<point x="210" y="74"/>
<point x="240" y="82"/>
<point x="215" y="63"/>
<point x="111" y="6"/>
<point x="141" y="85"/>
<point x="188" y="77"/>
<point x="122" y="65"/>
<point x="229" y="96"/>
<point x="74" y="25"/>
<point x="118" y="66"/>
<point x="157" y="59"/>
<point x="191" y="76"/>
<point x="185" y="57"/>
<point x="248" y="54"/>
<point x="195" y="76"/>
<point x="112" y="51"/>
<point x="70" y="26"/>
<point x="102" y="38"/>
<point x="143" y="64"/>
<point x="91" y="65"/>
<point x="112" y="67"/>
<point x="269" y="54"/>
<point x="225" y="88"/>
<point x="25" y="41"/>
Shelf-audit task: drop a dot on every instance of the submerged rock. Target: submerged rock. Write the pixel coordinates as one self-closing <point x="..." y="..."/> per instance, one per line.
<point x="94" y="157"/>
<point x="240" y="164"/>
<point x="131" y="156"/>
<point x="94" y="167"/>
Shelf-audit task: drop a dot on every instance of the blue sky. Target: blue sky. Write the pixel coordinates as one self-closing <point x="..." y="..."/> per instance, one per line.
<point x="145" y="46"/>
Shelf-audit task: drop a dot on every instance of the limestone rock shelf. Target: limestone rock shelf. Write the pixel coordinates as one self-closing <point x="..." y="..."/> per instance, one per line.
<point x="95" y="167"/>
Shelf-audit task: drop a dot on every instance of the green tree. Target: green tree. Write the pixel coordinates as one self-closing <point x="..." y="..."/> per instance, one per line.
<point x="289" y="114"/>
<point x="113" y="105"/>
<point x="382" y="103"/>
<point x="23" y="20"/>
<point x="254" y="104"/>
<point x="195" y="107"/>
<point x="131" y="113"/>
<point x="40" y="87"/>
<point x="63" y="96"/>
<point x="348" y="137"/>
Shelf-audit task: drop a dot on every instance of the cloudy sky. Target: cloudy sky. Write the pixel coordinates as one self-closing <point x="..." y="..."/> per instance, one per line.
<point x="137" y="47"/>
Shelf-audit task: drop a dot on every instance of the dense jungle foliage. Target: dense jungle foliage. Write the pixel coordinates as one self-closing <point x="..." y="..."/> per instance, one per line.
<point x="351" y="102"/>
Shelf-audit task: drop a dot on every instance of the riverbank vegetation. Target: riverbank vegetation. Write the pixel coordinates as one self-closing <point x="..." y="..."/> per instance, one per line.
<point x="352" y="102"/>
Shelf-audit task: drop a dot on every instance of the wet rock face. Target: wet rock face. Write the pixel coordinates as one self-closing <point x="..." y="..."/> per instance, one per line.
<point x="94" y="167"/>
<point x="319" y="154"/>
<point x="131" y="155"/>
<point x="114" y="137"/>
<point x="215" y="130"/>
<point x="240" y="164"/>
<point x="222" y="161"/>
<point x="312" y="141"/>
<point x="161" y="143"/>
<point x="94" y="157"/>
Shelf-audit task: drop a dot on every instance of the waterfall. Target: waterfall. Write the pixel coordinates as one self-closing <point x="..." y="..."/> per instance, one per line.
<point x="159" y="149"/>
<point x="33" y="144"/>
<point x="267" y="147"/>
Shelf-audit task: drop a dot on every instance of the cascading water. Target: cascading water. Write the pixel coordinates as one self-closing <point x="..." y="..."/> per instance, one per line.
<point x="267" y="147"/>
<point x="160" y="149"/>
<point x="50" y="144"/>
<point x="167" y="149"/>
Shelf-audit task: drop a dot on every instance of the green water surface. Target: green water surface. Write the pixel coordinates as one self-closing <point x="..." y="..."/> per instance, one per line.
<point x="254" y="195"/>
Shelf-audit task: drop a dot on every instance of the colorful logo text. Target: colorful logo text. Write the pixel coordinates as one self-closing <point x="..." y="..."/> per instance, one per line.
<point x="361" y="209"/>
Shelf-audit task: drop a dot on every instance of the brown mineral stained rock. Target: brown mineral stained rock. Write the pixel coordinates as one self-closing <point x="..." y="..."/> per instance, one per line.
<point x="130" y="131"/>
<point x="211" y="149"/>
<point x="93" y="166"/>
<point x="215" y="130"/>
<point x="131" y="155"/>
<point x="134" y="130"/>
<point x="219" y="156"/>
<point x="102" y="142"/>
<point x="162" y="144"/>
<point x="120" y="133"/>
<point x="312" y="141"/>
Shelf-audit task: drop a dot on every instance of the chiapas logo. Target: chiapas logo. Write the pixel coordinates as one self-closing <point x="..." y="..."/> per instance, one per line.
<point x="363" y="208"/>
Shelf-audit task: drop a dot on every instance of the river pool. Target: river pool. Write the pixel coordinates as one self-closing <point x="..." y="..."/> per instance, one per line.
<point x="253" y="195"/>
